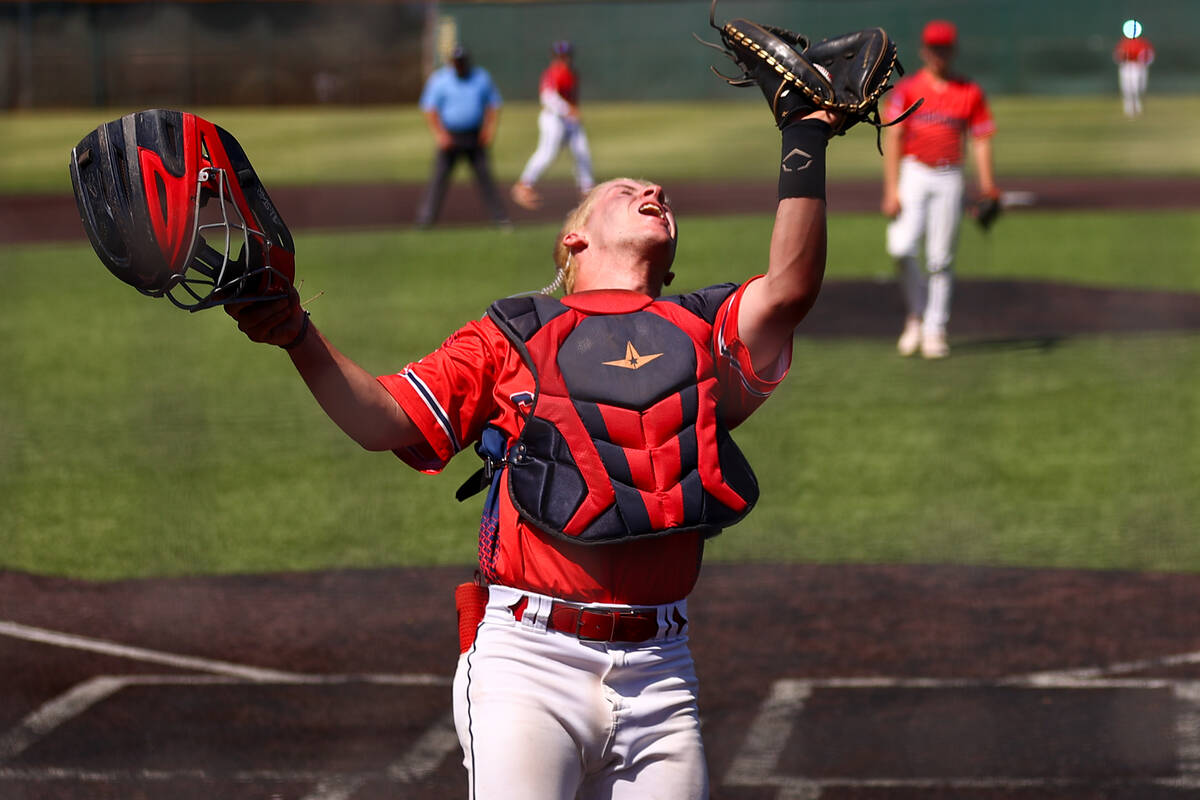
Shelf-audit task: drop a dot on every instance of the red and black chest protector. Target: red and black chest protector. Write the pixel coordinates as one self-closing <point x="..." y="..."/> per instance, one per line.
<point x="623" y="438"/>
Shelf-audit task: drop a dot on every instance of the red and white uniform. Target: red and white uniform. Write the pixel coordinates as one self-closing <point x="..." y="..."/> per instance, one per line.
<point x="477" y="378"/>
<point x="559" y="126"/>
<point x="933" y="145"/>
<point x="541" y="713"/>
<point x="1133" y="58"/>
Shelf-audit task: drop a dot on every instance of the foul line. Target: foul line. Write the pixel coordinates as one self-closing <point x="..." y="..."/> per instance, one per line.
<point x="213" y="666"/>
<point x="1120" y="668"/>
<point x="43" y="636"/>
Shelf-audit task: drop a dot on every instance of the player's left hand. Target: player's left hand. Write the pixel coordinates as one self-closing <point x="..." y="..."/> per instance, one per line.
<point x="987" y="209"/>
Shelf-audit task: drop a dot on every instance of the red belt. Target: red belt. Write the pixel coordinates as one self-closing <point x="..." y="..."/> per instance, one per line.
<point x="594" y="625"/>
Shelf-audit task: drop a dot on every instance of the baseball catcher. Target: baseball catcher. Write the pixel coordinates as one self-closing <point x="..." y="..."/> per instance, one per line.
<point x="845" y="74"/>
<point x="167" y="198"/>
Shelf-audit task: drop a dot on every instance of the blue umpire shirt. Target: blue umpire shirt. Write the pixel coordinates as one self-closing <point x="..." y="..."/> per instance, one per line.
<point x="460" y="102"/>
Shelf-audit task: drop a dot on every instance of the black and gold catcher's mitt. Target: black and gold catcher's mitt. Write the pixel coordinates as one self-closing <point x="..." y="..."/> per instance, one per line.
<point x="846" y="74"/>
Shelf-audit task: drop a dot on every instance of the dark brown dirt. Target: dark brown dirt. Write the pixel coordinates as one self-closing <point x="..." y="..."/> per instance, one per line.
<point x="948" y="709"/>
<point x="964" y="631"/>
<point x="55" y="218"/>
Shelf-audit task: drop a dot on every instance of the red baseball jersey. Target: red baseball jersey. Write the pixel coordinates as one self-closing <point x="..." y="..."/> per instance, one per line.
<point x="476" y="379"/>
<point x="1137" y="50"/>
<point x="936" y="132"/>
<point x="562" y="80"/>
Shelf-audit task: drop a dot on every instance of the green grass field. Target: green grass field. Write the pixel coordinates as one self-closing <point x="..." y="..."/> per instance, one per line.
<point x="1039" y="136"/>
<point x="138" y="440"/>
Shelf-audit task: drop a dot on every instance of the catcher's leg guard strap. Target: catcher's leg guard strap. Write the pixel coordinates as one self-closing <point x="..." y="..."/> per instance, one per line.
<point x="802" y="163"/>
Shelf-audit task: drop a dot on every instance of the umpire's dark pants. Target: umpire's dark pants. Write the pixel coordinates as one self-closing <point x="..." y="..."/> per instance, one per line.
<point x="465" y="145"/>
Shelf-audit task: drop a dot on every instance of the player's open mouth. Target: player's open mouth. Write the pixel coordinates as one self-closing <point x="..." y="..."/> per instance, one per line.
<point x="653" y="209"/>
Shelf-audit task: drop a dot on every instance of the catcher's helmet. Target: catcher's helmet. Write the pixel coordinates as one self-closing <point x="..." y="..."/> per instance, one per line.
<point x="145" y="184"/>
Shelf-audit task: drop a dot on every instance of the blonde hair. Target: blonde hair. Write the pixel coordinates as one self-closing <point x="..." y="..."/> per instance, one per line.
<point x="565" y="268"/>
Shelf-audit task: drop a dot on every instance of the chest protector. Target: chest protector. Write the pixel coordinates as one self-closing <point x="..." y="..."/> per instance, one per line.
<point x="622" y="438"/>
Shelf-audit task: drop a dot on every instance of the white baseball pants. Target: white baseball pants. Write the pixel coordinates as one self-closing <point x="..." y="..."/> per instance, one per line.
<point x="930" y="212"/>
<point x="553" y="133"/>
<point x="1132" y="77"/>
<point x="543" y="715"/>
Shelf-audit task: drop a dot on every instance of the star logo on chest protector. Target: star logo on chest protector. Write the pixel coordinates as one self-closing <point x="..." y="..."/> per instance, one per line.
<point x="633" y="359"/>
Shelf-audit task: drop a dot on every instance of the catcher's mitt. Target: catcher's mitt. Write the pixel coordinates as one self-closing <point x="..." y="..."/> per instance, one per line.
<point x="986" y="210"/>
<point x="846" y="74"/>
<point x="173" y="207"/>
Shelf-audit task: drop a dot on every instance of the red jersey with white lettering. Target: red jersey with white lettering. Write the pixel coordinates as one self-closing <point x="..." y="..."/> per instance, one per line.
<point x="477" y="379"/>
<point x="935" y="133"/>
<point x="1136" y="50"/>
<point x="562" y="80"/>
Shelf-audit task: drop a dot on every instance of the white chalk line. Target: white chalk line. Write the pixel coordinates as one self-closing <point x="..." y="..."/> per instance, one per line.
<point x="1119" y="668"/>
<point x="75" y="642"/>
<point x="213" y="666"/>
<point x="758" y="762"/>
<point x="752" y="767"/>
<point x="421" y="760"/>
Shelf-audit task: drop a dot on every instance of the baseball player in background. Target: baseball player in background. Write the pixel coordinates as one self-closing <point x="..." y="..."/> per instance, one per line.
<point x="923" y="184"/>
<point x="1133" y="55"/>
<point x="559" y="125"/>
<point x="603" y="421"/>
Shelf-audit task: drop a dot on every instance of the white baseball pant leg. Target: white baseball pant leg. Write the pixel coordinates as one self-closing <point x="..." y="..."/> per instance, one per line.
<point x="1132" y="76"/>
<point x="544" y="715"/>
<point x="551" y="131"/>
<point x="577" y="141"/>
<point x="930" y="213"/>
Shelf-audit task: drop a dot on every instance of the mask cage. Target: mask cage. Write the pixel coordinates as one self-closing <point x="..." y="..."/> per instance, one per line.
<point x="212" y="275"/>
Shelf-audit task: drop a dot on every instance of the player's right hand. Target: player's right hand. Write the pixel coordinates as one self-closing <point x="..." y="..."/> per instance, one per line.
<point x="890" y="205"/>
<point x="277" y="321"/>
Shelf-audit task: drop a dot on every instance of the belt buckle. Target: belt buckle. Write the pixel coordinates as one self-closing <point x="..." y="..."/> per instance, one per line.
<point x="594" y="630"/>
<point x="606" y="631"/>
<point x="594" y="626"/>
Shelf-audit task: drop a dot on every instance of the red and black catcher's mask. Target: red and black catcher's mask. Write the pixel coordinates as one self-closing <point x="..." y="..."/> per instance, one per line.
<point x="173" y="207"/>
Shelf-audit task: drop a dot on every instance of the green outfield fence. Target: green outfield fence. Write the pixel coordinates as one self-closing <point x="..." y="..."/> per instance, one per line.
<point x="275" y="52"/>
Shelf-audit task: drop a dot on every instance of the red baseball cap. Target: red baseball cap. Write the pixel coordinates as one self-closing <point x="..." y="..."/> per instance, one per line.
<point x="939" y="33"/>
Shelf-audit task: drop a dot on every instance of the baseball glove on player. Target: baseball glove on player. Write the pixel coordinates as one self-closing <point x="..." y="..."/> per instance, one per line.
<point x="173" y="207"/>
<point x="846" y="74"/>
<point x="986" y="210"/>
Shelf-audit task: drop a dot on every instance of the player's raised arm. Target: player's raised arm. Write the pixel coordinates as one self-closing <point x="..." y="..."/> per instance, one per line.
<point x="348" y="394"/>
<point x="173" y="207"/>
<point x="773" y="307"/>
<point x="814" y="91"/>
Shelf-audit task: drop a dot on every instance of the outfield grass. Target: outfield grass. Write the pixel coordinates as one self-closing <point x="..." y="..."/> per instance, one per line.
<point x="669" y="141"/>
<point x="136" y="439"/>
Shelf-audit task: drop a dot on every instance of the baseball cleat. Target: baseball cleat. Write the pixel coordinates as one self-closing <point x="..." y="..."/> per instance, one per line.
<point x="934" y="345"/>
<point x="526" y="196"/>
<point x="910" y="339"/>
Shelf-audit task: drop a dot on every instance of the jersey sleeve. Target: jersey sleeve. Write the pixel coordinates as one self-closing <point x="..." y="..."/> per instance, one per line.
<point x="743" y="390"/>
<point x="492" y="92"/>
<point x="980" y="123"/>
<point x="431" y="93"/>
<point x="896" y="101"/>
<point x="447" y="394"/>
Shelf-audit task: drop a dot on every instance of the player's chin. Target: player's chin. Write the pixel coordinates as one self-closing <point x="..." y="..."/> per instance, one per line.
<point x="661" y="228"/>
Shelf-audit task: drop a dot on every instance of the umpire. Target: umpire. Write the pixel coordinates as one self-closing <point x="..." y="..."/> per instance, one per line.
<point x="462" y="108"/>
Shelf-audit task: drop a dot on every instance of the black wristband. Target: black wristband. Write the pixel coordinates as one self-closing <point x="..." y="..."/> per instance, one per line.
<point x="802" y="159"/>
<point x="299" y="336"/>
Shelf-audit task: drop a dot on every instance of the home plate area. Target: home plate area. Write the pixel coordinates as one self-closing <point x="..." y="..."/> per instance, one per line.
<point x="837" y="682"/>
<point x="341" y="737"/>
<point x="816" y="739"/>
